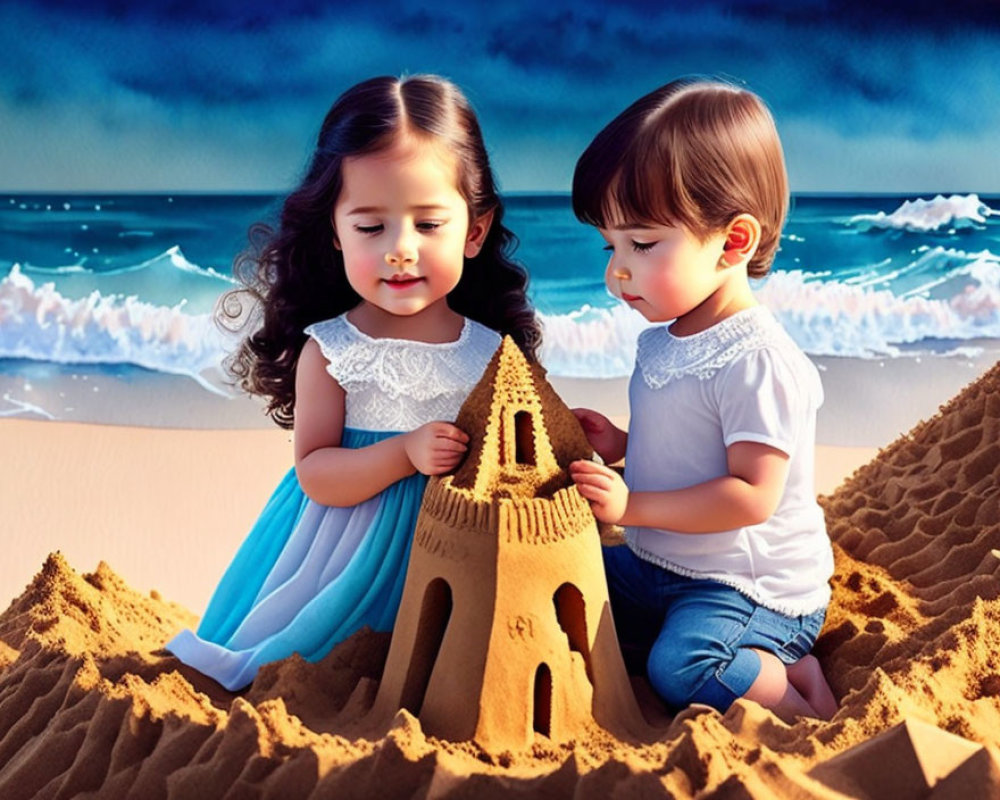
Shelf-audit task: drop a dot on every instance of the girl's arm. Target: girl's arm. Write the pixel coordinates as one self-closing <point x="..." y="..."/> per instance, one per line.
<point x="748" y="495"/>
<point x="336" y="476"/>
<point x="608" y="440"/>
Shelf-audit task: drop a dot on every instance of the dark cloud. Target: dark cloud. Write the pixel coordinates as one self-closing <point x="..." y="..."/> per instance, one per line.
<point x="424" y="22"/>
<point x="232" y="14"/>
<point x="543" y="76"/>
<point x="95" y="59"/>
<point x="931" y="16"/>
<point x="566" y="40"/>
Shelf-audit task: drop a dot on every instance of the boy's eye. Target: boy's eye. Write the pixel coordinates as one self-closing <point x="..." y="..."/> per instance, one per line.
<point x="642" y="247"/>
<point x="368" y="228"/>
<point x="430" y="225"/>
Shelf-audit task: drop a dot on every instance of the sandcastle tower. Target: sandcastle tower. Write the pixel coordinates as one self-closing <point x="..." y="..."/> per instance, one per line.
<point x="505" y="629"/>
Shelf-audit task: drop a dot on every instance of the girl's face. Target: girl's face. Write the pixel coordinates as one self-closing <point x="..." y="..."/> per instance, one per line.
<point x="667" y="273"/>
<point x="404" y="227"/>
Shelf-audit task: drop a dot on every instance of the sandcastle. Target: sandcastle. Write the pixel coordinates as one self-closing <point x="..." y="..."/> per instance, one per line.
<point x="505" y="630"/>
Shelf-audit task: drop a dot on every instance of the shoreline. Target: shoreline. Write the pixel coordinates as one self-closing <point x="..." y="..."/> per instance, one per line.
<point x="868" y="402"/>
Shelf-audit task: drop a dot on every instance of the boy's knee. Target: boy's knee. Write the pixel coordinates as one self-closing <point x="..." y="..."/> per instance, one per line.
<point x="676" y="675"/>
<point x="682" y="677"/>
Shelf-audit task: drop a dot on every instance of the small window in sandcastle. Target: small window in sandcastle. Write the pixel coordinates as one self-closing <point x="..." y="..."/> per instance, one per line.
<point x="543" y="701"/>
<point x="524" y="439"/>
<point x="571" y="612"/>
<point x="434" y="615"/>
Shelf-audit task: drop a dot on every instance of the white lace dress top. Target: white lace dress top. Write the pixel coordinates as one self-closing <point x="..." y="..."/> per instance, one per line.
<point x="691" y="397"/>
<point x="398" y="384"/>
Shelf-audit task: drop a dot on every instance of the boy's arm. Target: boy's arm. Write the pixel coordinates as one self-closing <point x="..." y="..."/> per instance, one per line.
<point x="748" y="495"/>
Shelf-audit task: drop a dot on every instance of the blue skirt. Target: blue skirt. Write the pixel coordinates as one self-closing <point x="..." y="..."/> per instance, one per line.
<point x="306" y="577"/>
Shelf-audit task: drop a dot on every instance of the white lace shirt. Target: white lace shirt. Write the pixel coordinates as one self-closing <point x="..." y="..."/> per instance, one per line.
<point x="691" y="397"/>
<point x="399" y="384"/>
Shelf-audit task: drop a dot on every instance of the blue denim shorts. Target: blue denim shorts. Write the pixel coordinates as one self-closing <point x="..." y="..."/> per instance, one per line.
<point x="695" y="638"/>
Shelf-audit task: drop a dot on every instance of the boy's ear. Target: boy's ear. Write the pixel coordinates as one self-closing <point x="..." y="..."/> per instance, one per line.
<point x="742" y="239"/>
<point x="478" y="229"/>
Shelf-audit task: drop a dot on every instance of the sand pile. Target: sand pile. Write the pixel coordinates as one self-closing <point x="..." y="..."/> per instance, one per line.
<point x="89" y="703"/>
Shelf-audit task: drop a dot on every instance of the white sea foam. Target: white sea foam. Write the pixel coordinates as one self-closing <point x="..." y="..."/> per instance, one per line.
<point x="21" y="408"/>
<point x="167" y="279"/>
<point x="591" y="342"/>
<point x="953" y="212"/>
<point x="949" y="295"/>
<point x="37" y="322"/>
<point x="837" y="319"/>
<point x="824" y="318"/>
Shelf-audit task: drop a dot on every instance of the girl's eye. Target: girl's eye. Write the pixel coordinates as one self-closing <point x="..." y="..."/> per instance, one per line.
<point x="642" y="247"/>
<point x="610" y="248"/>
<point x="429" y="226"/>
<point x="369" y="229"/>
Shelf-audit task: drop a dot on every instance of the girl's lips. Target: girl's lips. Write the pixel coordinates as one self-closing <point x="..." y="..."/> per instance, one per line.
<point x="630" y="298"/>
<point x="401" y="283"/>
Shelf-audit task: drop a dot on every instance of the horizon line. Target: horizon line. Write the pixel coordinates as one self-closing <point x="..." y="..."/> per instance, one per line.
<point x="12" y="193"/>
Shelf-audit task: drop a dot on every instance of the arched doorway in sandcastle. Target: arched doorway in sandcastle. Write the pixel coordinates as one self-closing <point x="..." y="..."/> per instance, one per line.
<point x="434" y="614"/>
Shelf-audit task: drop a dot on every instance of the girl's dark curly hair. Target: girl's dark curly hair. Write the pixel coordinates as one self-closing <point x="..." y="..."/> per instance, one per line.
<point x="294" y="276"/>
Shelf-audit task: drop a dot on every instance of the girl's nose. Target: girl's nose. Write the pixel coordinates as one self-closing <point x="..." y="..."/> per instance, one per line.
<point x="621" y="274"/>
<point x="402" y="253"/>
<point x="400" y="259"/>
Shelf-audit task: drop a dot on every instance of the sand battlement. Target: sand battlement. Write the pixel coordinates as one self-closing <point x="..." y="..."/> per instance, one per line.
<point x="528" y="520"/>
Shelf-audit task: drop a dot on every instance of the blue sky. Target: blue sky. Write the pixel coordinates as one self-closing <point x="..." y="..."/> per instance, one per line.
<point x="869" y="97"/>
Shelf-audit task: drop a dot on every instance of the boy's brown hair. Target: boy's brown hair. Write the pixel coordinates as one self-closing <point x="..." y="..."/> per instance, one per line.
<point x="696" y="153"/>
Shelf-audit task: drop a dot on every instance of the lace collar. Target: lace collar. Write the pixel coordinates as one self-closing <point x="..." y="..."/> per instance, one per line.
<point x="663" y="357"/>
<point x="403" y="367"/>
<point x="463" y="336"/>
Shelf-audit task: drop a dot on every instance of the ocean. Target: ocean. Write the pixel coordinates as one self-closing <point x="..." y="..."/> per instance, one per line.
<point x="120" y="288"/>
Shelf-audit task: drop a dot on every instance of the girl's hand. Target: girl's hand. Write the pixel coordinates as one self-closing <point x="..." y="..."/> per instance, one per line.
<point x="436" y="447"/>
<point x="603" y="487"/>
<point x="604" y="436"/>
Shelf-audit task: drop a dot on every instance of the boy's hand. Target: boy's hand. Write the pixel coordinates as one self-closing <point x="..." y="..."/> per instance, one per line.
<point x="607" y="440"/>
<point x="603" y="488"/>
<point x="435" y="447"/>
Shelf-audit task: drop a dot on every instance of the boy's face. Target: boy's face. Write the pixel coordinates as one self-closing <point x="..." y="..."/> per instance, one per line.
<point x="667" y="273"/>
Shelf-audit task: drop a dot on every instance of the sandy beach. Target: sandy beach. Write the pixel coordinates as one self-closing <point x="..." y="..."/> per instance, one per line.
<point x="168" y="506"/>
<point x="145" y="519"/>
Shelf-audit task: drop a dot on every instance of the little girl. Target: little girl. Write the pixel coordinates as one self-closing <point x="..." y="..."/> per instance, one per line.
<point x="723" y="585"/>
<point x="383" y="295"/>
